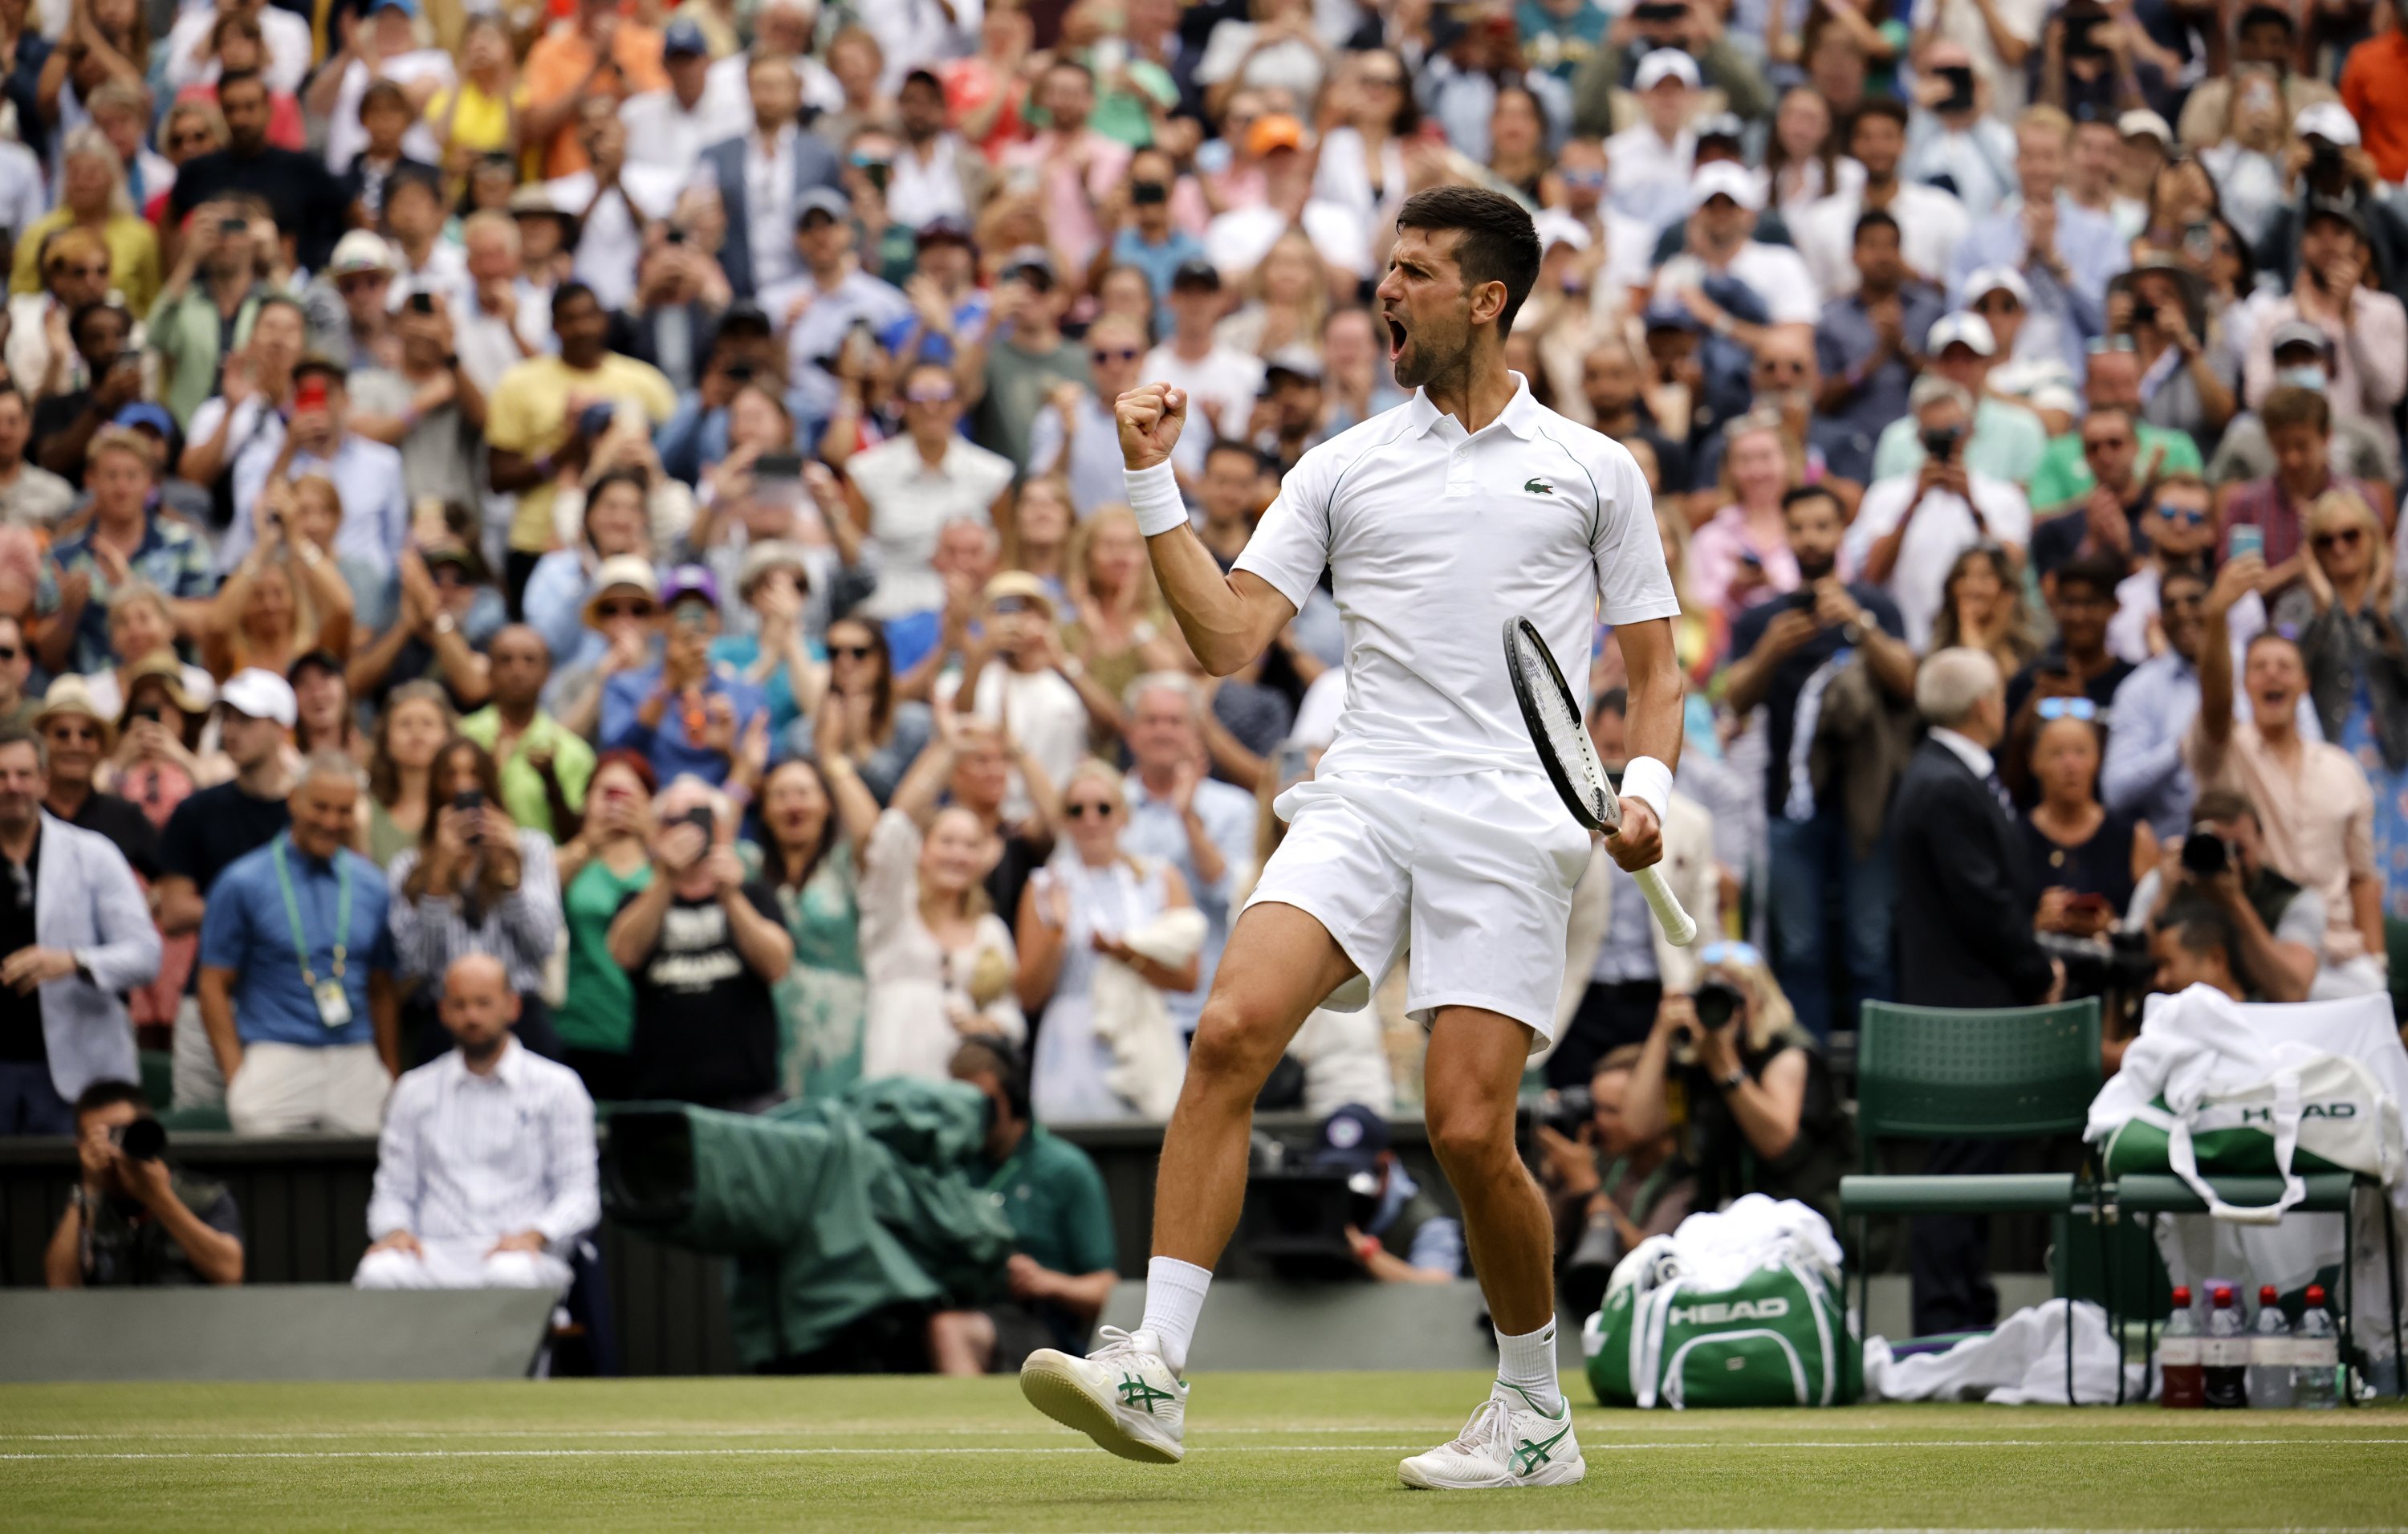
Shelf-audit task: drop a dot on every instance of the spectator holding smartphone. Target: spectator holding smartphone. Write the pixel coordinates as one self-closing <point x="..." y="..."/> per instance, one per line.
<point x="685" y="713"/>
<point x="703" y="946"/>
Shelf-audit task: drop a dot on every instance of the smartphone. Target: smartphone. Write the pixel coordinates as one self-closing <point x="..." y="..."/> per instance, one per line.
<point x="422" y="303"/>
<point x="778" y="466"/>
<point x="130" y="357"/>
<point x="232" y="226"/>
<point x="150" y="712"/>
<point x="2088" y="903"/>
<point x="701" y="819"/>
<point x="593" y="421"/>
<point x="675" y="237"/>
<point x="310" y="394"/>
<point x="2247" y="538"/>
<point x="1959" y="80"/>
<point x="470" y="801"/>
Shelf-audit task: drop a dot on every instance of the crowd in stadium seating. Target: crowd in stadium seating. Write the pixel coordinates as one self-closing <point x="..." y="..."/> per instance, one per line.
<point x="669" y="451"/>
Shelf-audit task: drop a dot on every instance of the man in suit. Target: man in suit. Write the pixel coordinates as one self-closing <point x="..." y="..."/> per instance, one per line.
<point x="1965" y="938"/>
<point x="779" y="161"/>
<point x="75" y="936"/>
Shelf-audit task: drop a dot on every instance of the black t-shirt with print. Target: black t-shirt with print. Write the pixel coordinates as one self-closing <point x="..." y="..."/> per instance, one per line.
<point x="705" y="1026"/>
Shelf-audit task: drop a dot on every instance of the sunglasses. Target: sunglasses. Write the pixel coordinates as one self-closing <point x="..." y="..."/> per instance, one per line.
<point x="8" y="652"/>
<point x="2099" y="346"/>
<point x="851" y="651"/>
<point x="2344" y="537"/>
<point x="624" y="610"/>
<point x="1100" y="808"/>
<point x="1115" y="354"/>
<point x="2068" y="708"/>
<point x="2184" y="516"/>
<point x="2003" y="304"/>
<point x="1730" y="951"/>
<point x="690" y="615"/>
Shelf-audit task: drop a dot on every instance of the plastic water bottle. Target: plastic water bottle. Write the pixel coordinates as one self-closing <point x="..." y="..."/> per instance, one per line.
<point x="2224" y="1352"/>
<point x="2315" y="1355"/>
<point x="2270" y="1353"/>
<point x="2178" y="1356"/>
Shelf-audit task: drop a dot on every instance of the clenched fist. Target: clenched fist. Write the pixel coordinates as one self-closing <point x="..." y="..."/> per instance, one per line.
<point x="1151" y="417"/>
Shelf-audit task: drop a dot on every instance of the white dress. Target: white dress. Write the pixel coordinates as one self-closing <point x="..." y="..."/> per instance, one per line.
<point x="914" y="981"/>
<point x="1068" y="1074"/>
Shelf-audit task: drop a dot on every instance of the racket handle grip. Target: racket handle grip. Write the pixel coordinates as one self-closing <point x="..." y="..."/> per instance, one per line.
<point x="1678" y="927"/>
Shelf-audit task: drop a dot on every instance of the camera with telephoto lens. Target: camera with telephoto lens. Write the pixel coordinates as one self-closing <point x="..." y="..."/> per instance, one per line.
<point x="144" y="1140"/>
<point x="2206" y="855"/>
<point x="1562" y="1108"/>
<point x="1716" y="1002"/>
<point x="1941" y="441"/>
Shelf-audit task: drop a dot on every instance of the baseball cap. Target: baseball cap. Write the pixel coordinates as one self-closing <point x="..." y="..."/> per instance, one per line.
<point x="260" y="695"/>
<point x="1029" y="258"/>
<point x="467" y="559"/>
<point x="1020" y="584"/>
<point x="360" y="250"/>
<point x="407" y="8"/>
<point x="1961" y="329"/>
<point x="2329" y="120"/>
<point x="944" y="227"/>
<point x="2299" y="333"/>
<point x="1665" y="314"/>
<point x="1352" y="1140"/>
<point x="1990" y="280"/>
<point x="822" y="199"/>
<point x="690" y="580"/>
<point x="2345" y="208"/>
<point x="1726" y="179"/>
<point x="1274" y="131"/>
<point x="1724" y="126"/>
<point x="2141" y="122"/>
<point x="775" y="553"/>
<point x="682" y="36"/>
<point x="1557" y="227"/>
<point x="1929" y="389"/>
<point x="621" y="572"/>
<point x="142" y="413"/>
<point x="1297" y="362"/>
<point x="1662" y="65"/>
<point x="1196" y="272"/>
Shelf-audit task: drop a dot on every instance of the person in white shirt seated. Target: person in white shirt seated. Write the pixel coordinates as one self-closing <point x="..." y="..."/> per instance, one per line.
<point x="1725" y="197"/>
<point x="486" y="1169"/>
<point x="1910" y="527"/>
<point x="1649" y="163"/>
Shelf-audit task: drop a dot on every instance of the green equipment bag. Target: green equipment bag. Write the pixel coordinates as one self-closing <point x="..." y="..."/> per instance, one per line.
<point x="1773" y="1339"/>
<point x="2314" y="1112"/>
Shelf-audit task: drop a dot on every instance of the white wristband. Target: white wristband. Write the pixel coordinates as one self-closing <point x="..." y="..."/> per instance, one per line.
<point x="1645" y="778"/>
<point x="1154" y="495"/>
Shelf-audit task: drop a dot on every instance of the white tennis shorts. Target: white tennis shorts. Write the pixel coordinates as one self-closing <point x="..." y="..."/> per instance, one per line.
<point x="1472" y="875"/>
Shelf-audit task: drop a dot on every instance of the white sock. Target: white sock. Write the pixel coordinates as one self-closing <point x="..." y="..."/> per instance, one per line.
<point x="1174" y="1297"/>
<point x="1528" y="1363"/>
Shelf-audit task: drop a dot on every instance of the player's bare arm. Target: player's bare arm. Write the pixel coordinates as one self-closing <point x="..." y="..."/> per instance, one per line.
<point x="1228" y="619"/>
<point x="1654" y="727"/>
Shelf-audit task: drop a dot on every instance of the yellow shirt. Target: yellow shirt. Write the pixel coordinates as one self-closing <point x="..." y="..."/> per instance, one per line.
<point x="133" y="257"/>
<point x="482" y="124"/>
<point x="529" y="413"/>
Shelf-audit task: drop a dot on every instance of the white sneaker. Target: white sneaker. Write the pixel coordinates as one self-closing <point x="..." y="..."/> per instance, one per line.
<point x="1507" y="1443"/>
<point x="1122" y="1394"/>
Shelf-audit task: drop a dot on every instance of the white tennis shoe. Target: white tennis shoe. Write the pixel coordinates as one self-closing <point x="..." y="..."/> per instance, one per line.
<point x="1122" y="1394"/>
<point x="1507" y="1443"/>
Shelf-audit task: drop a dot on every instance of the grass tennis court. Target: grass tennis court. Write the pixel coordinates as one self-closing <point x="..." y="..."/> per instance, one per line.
<point x="1266" y="1452"/>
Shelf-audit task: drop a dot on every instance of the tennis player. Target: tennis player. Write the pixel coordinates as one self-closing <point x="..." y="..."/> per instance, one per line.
<point x="1430" y="827"/>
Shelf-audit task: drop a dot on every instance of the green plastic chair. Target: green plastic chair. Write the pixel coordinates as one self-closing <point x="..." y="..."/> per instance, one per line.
<point x="1950" y="1073"/>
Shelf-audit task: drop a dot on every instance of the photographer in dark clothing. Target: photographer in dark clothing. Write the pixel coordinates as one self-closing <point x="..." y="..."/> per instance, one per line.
<point x="1761" y="1116"/>
<point x="135" y="1220"/>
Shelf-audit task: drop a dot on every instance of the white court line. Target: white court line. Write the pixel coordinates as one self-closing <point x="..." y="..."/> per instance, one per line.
<point x="925" y="1451"/>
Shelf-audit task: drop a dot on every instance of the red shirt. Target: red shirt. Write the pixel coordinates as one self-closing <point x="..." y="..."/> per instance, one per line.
<point x="2374" y="88"/>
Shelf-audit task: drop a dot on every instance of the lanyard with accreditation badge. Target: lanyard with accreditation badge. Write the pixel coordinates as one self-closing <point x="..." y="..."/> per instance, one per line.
<point x="333" y="1005"/>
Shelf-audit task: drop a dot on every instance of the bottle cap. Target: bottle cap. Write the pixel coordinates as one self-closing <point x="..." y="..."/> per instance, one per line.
<point x="2222" y="1296"/>
<point x="2182" y="1294"/>
<point x="2266" y="1294"/>
<point x="2315" y="1293"/>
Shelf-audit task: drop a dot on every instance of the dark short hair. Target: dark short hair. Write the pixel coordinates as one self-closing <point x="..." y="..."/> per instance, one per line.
<point x="1888" y="106"/>
<point x="107" y="1093"/>
<point x="238" y="77"/>
<point x="2098" y="572"/>
<point x="2292" y="406"/>
<point x="1613" y="700"/>
<point x="1876" y="218"/>
<point x="625" y="475"/>
<point x="2219" y="806"/>
<point x="569" y="291"/>
<point x="1797" y="494"/>
<point x="2197" y="926"/>
<point x="76" y="321"/>
<point x="1499" y="242"/>
<point x="383" y="92"/>
<point x="1236" y="444"/>
<point x="411" y="176"/>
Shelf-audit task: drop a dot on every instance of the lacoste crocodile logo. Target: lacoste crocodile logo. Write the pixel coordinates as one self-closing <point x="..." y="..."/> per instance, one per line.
<point x="1537" y="487"/>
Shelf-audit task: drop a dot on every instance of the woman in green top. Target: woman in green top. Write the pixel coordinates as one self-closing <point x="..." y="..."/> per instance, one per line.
<point x="808" y="834"/>
<point x="416" y="721"/>
<point x="610" y="859"/>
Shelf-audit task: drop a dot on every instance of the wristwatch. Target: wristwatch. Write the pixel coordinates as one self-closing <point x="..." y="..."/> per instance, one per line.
<point x="1731" y="1082"/>
<point x="445" y="622"/>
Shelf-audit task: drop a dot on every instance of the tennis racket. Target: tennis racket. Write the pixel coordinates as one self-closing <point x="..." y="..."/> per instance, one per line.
<point x="1570" y="760"/>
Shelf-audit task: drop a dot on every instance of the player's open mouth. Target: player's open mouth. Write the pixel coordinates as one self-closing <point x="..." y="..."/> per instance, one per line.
<point x="1396" y="336"/>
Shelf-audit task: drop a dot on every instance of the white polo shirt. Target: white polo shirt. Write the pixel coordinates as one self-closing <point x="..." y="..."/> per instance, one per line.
<point x="1943" y="527"/>
<point x="1434" y="538"/>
